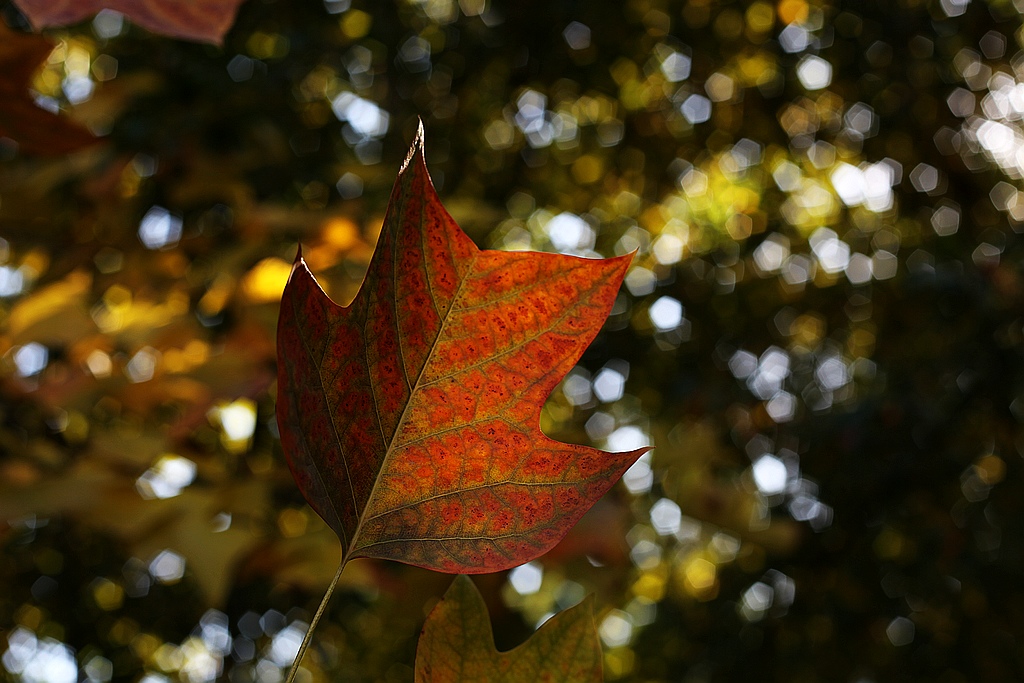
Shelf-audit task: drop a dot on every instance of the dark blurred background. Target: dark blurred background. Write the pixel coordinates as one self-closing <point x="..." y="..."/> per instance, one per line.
<point x="820" y="333"/>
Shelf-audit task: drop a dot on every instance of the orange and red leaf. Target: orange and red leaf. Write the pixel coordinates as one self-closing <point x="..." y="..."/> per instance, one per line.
<point x="411" y="418"/>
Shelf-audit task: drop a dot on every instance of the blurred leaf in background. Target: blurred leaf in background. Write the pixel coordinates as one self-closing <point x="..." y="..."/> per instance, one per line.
<point x="821" y="330"/>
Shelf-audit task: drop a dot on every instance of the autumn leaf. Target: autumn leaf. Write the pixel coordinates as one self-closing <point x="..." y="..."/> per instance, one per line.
<point x="36" y="130"/>
<point x="457" y="646"/>
<point x="199" y="20"/>
<point x="410" y="419"/>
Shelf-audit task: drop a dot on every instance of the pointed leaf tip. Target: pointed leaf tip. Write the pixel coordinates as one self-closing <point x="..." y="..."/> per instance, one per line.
<point x="298" y="263"/>
<point x="416" y="147"/>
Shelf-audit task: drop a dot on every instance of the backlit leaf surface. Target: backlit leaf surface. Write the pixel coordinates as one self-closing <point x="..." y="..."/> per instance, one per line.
<point x="457" y="646"/>
<point x="36" y="130"/>
<point x="410" y="419"/>
<point x="201" y="20"/>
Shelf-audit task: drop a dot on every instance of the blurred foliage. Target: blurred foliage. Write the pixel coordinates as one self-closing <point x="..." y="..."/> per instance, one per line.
<point x="821" y="332"/>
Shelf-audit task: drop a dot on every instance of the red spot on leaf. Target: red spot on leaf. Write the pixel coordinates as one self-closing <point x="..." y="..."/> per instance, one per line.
<point x="451" y="512"/>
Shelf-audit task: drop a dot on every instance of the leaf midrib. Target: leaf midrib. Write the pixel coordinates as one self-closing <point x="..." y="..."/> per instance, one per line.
<point x="412" y="391"/>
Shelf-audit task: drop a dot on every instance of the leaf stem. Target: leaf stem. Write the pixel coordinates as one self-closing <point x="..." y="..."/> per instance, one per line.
<point x="316" y="619"/>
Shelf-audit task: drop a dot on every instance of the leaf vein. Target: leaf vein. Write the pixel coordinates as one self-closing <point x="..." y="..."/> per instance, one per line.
<point x="337" y="437"/>
<point x="508" y="351"/>
<point x="486" y="485"/>
<point x="512" y="293"/>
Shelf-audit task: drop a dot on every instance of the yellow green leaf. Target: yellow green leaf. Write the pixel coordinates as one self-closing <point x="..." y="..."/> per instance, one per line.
<point x="457" y="645"/>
